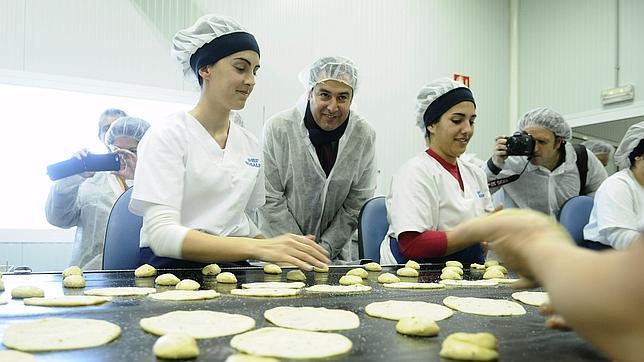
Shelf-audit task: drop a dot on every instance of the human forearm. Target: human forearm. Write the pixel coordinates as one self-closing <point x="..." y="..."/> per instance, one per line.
<point x="596" y="294"/>
<point x="202" y="247"/>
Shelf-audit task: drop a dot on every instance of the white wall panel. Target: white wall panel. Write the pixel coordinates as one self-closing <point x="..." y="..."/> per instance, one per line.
<point x="105" y="40"/>
<point x="567" y="53"/>
<point x="12" y="33"/>
<point x="632" y="45"/>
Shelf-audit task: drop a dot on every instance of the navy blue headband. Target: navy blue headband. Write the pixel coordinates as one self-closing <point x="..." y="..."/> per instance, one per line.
<point x="222" y="47"/>
<point x="448" y="100"/>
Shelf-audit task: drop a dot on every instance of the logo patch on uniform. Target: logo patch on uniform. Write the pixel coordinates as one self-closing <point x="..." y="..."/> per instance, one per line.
<point x="480" y="194"/>
<point x="253" y="162"/>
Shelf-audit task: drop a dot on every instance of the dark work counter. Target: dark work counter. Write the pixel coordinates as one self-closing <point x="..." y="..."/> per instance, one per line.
<point x="521" y="338"/>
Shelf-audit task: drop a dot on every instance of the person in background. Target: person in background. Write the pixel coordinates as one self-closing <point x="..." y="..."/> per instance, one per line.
<point x="200" y="175"/>
<point x="436" y="190"/>
<point x="85" y="200"/>
<point x="106" y="119"/>
<point x="551" y="175"/>
<point x="319" y="160"/>
<point x="542" y="252"/>
<point x="619" y="201"/>
<point x="602" y="150"/>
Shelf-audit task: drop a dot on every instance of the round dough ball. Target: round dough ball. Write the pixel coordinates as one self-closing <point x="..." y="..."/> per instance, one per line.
<point x="417" y="326"/>
<point x="482" y="339"/>
<point x="26" y="291"/>
<point x="350" y="279"/>
<point x="374" y="267"/>
<point x="1" y="285"/>
<point x="321" y="270"/>
<point x="359" y="272"/>
<point x="493" y="273"/>
<point x="176" y="346"/>
<point x="296" y="275"/>
<point x="412" y="264"/>
<point x="450" y="274"/>
<point x="72" y="270"/>
<point x="211" y="270"/>
<point x="469" y="346"/>
<point x="491" y="262"/>
<point x="388" y="278"/>
<point x="407" y="272"/>
<point x="227" y="278"/>
<point x="272" y="269"/>
<point x="501" y="268"/>
<point x="187" y="284"/>
<point x="166" y="279"/>
<point x="74" y="281"/>
<point x="455" y="263"/>
<point x="476" y="266"/>
<point x="454" y="269"/>
<point x="145" y="271"/>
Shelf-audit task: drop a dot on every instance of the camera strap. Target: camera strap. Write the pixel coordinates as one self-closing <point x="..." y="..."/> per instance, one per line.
<point x="505" y="180"/>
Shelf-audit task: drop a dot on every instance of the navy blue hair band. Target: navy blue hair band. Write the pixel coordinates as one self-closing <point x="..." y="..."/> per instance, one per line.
<point x="222" y="47"/>
<point x="439" y="106"/>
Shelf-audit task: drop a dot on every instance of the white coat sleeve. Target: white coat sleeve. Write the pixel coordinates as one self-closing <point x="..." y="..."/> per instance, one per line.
<point x="345" y="221"/>
<point x="165" y="233"/>
<point x="62" y="208"/>
<point x="275" y="216"/>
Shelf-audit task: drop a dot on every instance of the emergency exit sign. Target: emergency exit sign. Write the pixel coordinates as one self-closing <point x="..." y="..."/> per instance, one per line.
<point x="465" y="79"/>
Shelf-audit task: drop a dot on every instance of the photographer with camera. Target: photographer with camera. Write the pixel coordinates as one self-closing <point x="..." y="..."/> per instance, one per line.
<point x="538" y="168"/>
<point x="85" y="199"/>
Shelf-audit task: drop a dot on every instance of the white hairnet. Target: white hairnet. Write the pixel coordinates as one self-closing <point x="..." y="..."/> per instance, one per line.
<point x="632" y="138"/>
<point x="126" y="127"/>
<point x="429" y="93"/>
<point x="597" y="146"/>
<point x="208" y="27"/>
<point x="546" y="118"/>
<point x="336" y="68"/>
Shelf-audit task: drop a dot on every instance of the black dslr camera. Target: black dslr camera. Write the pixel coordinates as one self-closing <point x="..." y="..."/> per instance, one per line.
<point x="520" y="144"/>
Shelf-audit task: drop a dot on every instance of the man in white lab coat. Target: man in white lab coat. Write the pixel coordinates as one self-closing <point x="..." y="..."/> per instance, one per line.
<point x="319" y="160"/>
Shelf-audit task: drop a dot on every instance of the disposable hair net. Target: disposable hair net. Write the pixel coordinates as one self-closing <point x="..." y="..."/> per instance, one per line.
<point x="126" y="127"/>
<point x="187" y="41"/>
<point x="429" y="93"/>
<point x="632" y="138"/>
<point x="546" y="118"/>
<point x="336" y="68"/>
<point x="597" y="146"/>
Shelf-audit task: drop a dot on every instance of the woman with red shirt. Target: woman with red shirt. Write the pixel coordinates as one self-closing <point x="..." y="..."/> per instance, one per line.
<point x="436" y="190"/>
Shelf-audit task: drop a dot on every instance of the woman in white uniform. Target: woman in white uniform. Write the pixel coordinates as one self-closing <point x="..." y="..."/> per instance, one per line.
<point x="85" y="200"/>
<point x="436" y="190"/>
<point x="619" y="202"/>
<point x="200" y="175"/>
